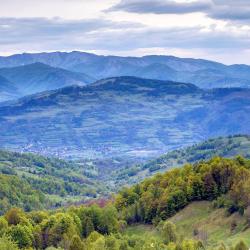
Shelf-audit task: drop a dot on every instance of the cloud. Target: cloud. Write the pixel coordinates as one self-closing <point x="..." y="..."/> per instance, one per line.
<point x="161" y="6"/>
<point x="93" y="34"/>
<point x="101" y="34"/>
<point x="23" y="30"/>
<point x="218" y="9"/>
<point x="230" y="10"/>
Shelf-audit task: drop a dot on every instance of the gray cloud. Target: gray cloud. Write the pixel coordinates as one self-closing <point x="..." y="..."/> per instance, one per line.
<point x="218" y="9"/>
<point x="23" y="30"/>
<point x="230" y="10"/>
<point x="161" y="6"/>
<point x="40" y="34"/>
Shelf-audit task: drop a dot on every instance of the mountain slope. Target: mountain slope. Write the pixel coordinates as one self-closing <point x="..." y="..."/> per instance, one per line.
<point x="60" y="181"/>
<point x="15" y="192"/>
<point x="230" y="146"/>
<point x="203" y="73"/>
<point x="7" y="89"/>
<point x="201" y="221"/>
<point x="38" y="77"/>
<point x="122" y="116"/>
<point x="181" y="196"/>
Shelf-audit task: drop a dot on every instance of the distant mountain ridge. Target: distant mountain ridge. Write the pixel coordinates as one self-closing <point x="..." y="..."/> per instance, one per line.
<point x="203" y="73"/>
<point x="122" y="116"/>
<point x="37" y="77"/>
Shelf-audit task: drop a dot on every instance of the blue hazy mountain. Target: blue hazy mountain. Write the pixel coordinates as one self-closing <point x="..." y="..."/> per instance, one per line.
<point x="203" y="73"/>
<point x="7" y="90"/>
<point x="122" y="116"/>
<point x="38" y="77"/>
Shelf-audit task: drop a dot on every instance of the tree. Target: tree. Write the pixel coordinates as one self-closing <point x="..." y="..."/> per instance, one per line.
<point x="76" y="244"/>
<point x="58" y="227"/>
<point x="111" y="243"/>
<point x="222" y="247"/>
<point x="22" y="235"/>
<point x="241" y="246"/>
<point x="14" y="216"/>
<point x="108" y="220"/>
<point x="95" y="241"/>
<point x="168" y="232"/>
<point x="7" y="244"/>
<point x="3" y="226"/>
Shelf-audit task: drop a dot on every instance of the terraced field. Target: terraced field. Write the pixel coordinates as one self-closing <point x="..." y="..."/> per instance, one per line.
<point x="124" y="116"/>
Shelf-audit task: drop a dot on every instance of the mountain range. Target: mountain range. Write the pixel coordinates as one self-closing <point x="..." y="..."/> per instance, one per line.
<point x="37" y="77"/>
<point x="31" y="73"/>
<point x="122" y="116"/>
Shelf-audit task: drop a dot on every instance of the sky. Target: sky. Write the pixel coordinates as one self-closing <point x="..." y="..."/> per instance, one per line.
<point x="217" y="30"/>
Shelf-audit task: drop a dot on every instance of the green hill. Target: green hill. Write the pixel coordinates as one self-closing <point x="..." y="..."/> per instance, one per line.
<point x="59" y="180"/>
<point x="222" y="146"/>
<point x="207" y="201"/>
<point x="201" y="221"/>
<point x="194" y="207"/>
<point x="15" y="192"/>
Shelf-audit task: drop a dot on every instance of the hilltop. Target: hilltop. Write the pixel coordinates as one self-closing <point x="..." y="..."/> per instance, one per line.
<point x="122" y="116"/>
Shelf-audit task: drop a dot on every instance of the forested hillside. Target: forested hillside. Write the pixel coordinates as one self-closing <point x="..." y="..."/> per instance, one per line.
<point x="60" y="181"/>
<point x="15" y="192"/>
<point x="230" y="146"/>
<point x="122" y="117"/>
<point x="66" y="182"/>
<point x="223" y="184"/>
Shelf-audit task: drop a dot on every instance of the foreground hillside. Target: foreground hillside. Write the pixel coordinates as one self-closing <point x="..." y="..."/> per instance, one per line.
<point x="185" y="209"/>
<point x="203" y="73"/>
<point x="63" y="182"/>
<point x="230" y="146"/>
<point x="202" y="221"/>
<point x="123" y="116"/>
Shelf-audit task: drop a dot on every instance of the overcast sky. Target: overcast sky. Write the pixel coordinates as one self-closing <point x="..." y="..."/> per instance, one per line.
<point x="211" y="29"/>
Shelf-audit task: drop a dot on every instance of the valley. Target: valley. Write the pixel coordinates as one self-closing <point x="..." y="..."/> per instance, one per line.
<point x="124" y="162"/>
<point x="125" y="125"/>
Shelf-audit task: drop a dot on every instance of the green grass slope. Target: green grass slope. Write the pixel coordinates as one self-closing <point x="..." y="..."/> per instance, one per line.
<point x="201" y="221"/>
